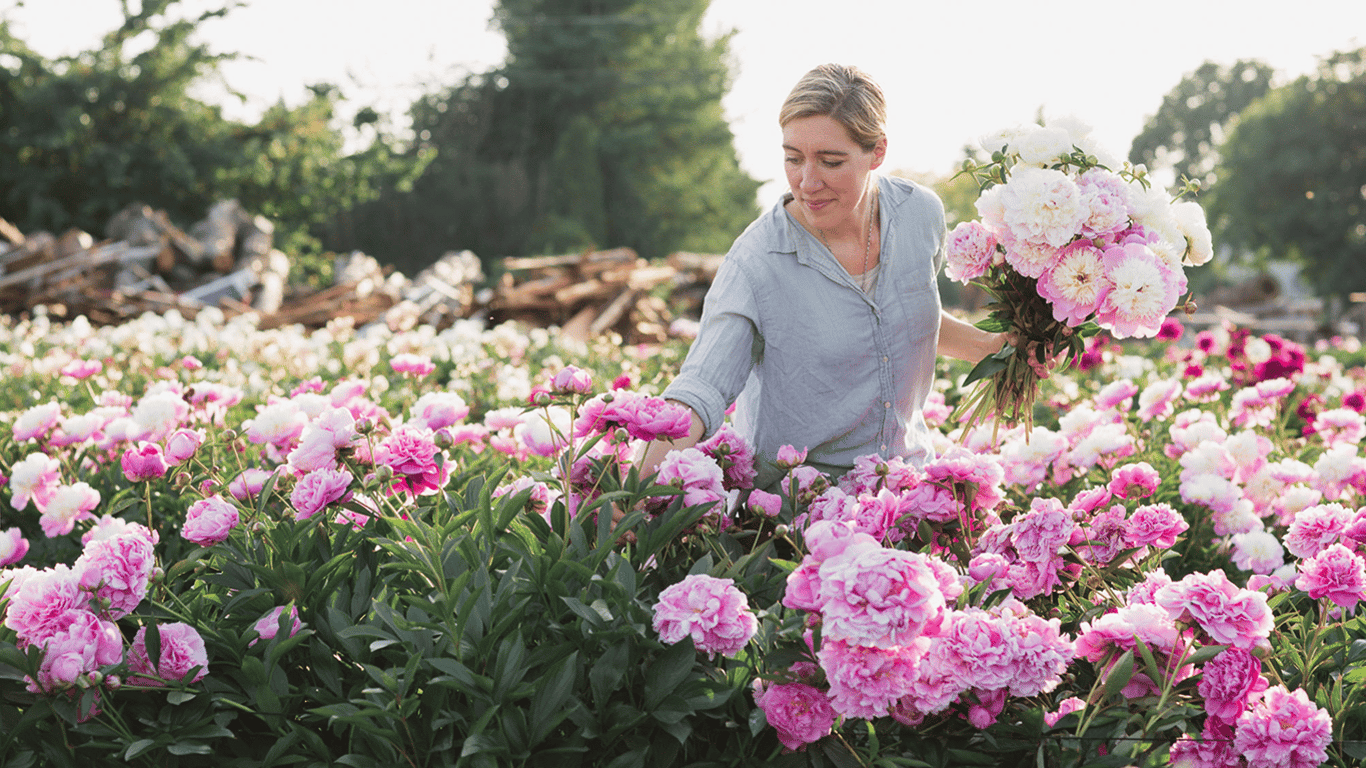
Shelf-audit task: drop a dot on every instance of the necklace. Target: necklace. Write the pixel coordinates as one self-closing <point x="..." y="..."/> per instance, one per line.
<point x="863" y="278"/>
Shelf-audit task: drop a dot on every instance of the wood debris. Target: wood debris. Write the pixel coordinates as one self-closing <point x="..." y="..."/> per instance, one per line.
<point x="146" y="263"/>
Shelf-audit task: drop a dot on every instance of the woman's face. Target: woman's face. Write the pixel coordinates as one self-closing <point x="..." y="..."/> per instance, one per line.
<point x="827" y="171"/>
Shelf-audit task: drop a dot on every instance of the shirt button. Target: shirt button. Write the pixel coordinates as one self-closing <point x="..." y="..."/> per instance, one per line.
<point x="885" y="358"/>
<point x="887" y="404"/>
<point x="884" y="446"/>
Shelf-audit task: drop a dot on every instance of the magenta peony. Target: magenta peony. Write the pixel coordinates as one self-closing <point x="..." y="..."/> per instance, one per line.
<point x="117" y="571"/>
<point x="1230" y="682"/>
<point x="144" y="461"/>
<point x="800" y="713"/>
<point x="1284" y="729"/>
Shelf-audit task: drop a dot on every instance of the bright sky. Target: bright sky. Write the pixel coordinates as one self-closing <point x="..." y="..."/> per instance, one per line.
<point x="952" y="71"/>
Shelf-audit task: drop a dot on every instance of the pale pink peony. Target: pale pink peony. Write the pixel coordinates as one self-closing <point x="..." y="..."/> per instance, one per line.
<point x="1227" y="613"/>
<point x="209" y="521"/>
<point x="117" y="572"/>
<point x="764" y="503"/>
<point x="1258" y="551"/>
<point x="799" y="713"/>
<point x="1065" y="707"/>
<point x="34" y="478"/>
<point x="1336" y="573"/>
<point x="182" y="651"/>
<point x="1230" y="682"/>
<point x="333" y="429"/>
<point x="13" y="546"/>
<point x="712" y="611"/>
<point x="317" y="489"/>
<point x="82" y="369"/>
<point x="435" y="410"/>
<point x="695" y="473"/>
<point x="1105" y="196"/>
<point x="248" y="484"/>
<point x="789" y="456"/>
<point x="572" y="380"/>
<point x="1284" y="729"/>
<point x="69" y="504"/>
<point x="36" y="422"/>
<point x="1042" y="206"/>
<point x="969" y="251"/>
<point x="412" y="364"/>
<point x="1157" y="401"/>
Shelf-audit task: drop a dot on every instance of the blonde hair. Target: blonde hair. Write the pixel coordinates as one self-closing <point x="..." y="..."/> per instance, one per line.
<point x="844" y="93"/>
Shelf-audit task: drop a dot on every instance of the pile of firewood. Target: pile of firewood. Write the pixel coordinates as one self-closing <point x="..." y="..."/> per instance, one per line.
<point x="148" y="264"/>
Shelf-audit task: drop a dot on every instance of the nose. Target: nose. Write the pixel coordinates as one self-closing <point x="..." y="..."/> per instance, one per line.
<point x="811" y="177"/>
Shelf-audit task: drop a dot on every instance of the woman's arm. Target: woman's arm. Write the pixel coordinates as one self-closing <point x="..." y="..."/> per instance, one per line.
<point x="965" y="341"/>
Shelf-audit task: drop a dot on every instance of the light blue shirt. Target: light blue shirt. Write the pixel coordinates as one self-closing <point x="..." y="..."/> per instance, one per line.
<point x="810" y="360"/>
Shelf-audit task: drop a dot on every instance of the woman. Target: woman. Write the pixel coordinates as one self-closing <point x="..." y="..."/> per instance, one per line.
<point x="823" y="322"/>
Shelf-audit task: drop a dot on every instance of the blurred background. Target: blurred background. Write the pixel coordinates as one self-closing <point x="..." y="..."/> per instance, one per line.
<point x="511" y="129"/>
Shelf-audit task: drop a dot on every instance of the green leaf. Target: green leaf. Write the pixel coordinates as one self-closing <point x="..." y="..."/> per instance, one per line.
<point x="990" y="366"/>
<point x="996" y="322"/>
<point x="189" y="748"/>
<point x="669" y="669"/>
<point x="607" y="672"/>
<point x="1120" y="674"/>
<point x="138" y="747"/>
<point x="548" y="701"/>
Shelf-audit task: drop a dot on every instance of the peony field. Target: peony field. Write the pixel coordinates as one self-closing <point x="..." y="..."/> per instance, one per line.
<point x="367" y="547"/>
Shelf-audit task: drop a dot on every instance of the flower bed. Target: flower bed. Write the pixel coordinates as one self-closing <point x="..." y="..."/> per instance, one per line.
<point x="227" y="546"/>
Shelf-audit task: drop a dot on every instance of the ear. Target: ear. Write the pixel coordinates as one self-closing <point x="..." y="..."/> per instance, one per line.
<point x="879" y="152"/>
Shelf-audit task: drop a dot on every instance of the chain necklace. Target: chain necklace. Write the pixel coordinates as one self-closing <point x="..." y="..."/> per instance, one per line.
<point x="867" y="243"/>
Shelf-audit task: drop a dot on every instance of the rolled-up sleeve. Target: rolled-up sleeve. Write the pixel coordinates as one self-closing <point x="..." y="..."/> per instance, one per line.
<point x="728" y="345"/>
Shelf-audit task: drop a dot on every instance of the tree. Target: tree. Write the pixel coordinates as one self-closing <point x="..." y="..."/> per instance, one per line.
<point x="1293" y="175"/>
<point x="602" y="128"/>
<point x="1185" y="133"/>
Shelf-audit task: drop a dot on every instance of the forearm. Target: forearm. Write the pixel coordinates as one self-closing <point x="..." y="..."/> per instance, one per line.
<point x="965" y="341"/>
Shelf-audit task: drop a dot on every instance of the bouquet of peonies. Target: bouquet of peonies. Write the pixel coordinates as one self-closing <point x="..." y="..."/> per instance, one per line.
<point x="1065" y="247"/>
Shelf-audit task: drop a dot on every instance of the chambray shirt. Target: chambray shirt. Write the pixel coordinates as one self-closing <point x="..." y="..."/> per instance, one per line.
<point x="808" y="358"/>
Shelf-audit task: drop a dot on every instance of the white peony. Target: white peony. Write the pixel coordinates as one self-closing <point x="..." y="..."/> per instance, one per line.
<point x="1258" y="551"/>
<point x="1039" y="145"/>
<point x="1190" y="220"/>
<point x="1042" y="206"/>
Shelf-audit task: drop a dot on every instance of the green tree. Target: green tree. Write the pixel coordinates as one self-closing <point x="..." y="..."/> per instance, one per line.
<point x="1293" y="176"/>
<point x="603" y="127"/>
<point x="1185" y="133"/>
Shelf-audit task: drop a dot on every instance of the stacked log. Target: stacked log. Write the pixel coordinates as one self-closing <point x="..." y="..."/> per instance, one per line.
<point x="228" y="260"/>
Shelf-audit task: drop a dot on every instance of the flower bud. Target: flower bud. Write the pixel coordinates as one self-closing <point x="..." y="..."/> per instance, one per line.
<point x="782" y="529"/>
<point x="384" y="472"/>
<point x="181" y="480"/>
<point x="113" y="682"/>
<point x="228" y="435"/>
<point x="541" y="399"/>
<point x="443" y="438"/>
<point x="365" y="427"/>
<point x="96" y="677"/>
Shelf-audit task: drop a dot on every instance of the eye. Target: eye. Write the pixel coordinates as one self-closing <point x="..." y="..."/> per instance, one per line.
<point x="832" y="163"/>
<point x="792" y="160"/>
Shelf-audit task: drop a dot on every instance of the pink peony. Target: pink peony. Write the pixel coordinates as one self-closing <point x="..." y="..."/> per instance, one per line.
<point x="411" y="453"/>
<point x="40" y="601"/>
<point x="248" y="484"/>
<point x="1336" y="573"/>
<point x="1075" y="283"/>
<point x="145" y="461"/>
<point x="969" y="251"/>
<point x="1230" y="682"/>
<point x="1140" y="293"/>
<point x="696" y="474"/>
<point x="209" y="521"/>
<point x="82" y="645"/>
<point x="82" y="369"/>
<point x="572" y="380"/>
<point x="789" y="456"/>
<point x="317" y="489"/>
<point x="734" y="455"/>
<point x="764" y="503"/>
<point x="117" y="571"/>
<point x="710" y="610"/>
<point x="268" y="626"/>
<point x="320" y="439"/>
<point x="182" y="652"/>
<point x="1155" y="525"/>
<point x="1316" y="527"/>
<point x="867" y="682"/>
<point x="36" y="422"/>
<point x="1284" y="729"/>
<point x="1065" y="707"/>
<point x="1227" y="613"/>
<point x="880" y="597"/>
<point x="799" y="713"/>
<point x="181" y="445"/>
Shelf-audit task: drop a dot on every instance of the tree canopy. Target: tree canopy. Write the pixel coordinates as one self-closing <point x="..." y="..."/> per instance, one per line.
<point x="1293" y="175"/>
<point x="1185" y="133"/>
<point x="602" y="128"/>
